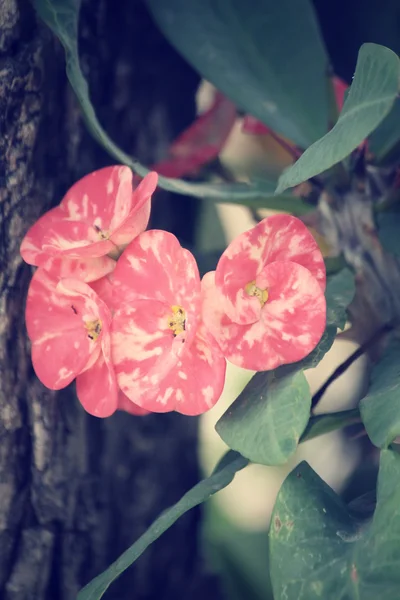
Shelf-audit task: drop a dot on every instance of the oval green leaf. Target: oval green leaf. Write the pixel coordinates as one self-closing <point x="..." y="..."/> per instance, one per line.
<point x="267" y="57"/>
<point x="317" y="548"/>
<point x="370" y="98"/>
<point x="380" y="408"/>
<point x="266" y="421"/>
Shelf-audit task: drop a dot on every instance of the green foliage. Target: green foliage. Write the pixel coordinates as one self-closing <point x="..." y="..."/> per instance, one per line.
<point x="319" y="550"/>
<point x="61" y="16"/>
<point x="321" y="424"/>
<point x="222" y="476"/>
<point x="266" y="421"/>
<point x="268" y="58"/>
<point x="384" y="142"/>
<point x="388" y="230"/>
<point x="371" y="96"/>
<point x="380" y="408"/>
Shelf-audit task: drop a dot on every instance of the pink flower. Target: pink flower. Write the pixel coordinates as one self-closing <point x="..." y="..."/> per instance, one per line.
<point x="69" y="325"/>
<point x="99" y="213"/>
<point x="163" y="356"/>
<point x="265" y="302"/>
<point x="202" y="142"/>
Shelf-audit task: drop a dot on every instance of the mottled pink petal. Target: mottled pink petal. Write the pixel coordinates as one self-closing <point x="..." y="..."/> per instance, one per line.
<point x="155" y="266"/>
<point x="138" y="217"/>
<point x="102" y="199"/>
<point x="105" y="290"/>
<point x="202" y="141"/>
<point x="75" y="239"/>
<point x="290" y="326"/>
<point x="277" y="238"/>
<point x="96" y="387"/>
<point x="56" y="326"/>
<point x="84" y="269"/>
<point x="125" y="404"/>
<point x="190" y="385"/>
<point x="31" y="246"/>
<point x="143" y="346"/>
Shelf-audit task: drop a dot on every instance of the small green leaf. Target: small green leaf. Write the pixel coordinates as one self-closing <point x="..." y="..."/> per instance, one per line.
<point x="61" y="16"/>
<point x="317" y="548"/>
<point x="371" y="96"/>
<point x="268" y="418"/>
<point x="389" y="231"/>
<point x="222" y="476"/>
<point x="339" y="293"/>
<point x="321" y="424"/>
<point x="268" y="58"/>
<point x="384" y="142"/>
<point x="380" y="408"/>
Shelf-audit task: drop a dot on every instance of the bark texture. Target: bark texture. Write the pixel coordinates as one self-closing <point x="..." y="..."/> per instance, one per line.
<point x="75" y="491"/>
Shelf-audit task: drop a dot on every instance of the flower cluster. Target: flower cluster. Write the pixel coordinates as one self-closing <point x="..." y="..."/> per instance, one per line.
<point x="123" y="311"/>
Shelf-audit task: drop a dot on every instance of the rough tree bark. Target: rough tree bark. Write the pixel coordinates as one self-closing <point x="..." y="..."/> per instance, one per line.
<point x="75" y="491"/>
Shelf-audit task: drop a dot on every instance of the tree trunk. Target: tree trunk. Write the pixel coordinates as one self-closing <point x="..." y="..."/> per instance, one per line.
<point x="75" y="491"/>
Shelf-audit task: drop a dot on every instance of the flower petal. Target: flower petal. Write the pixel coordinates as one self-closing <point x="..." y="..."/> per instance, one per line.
<point x="31" y="246"/>
<point x="138" y="217"/>
<point x="96" y="387"/>
<point x="101" y="199"/>
<point x="291" y="323"/>
<point x="84" y="269"/>
<point x="143" y="347"/>
<point x="202" y="141"/>
<point x="60" y="344"/>
<point x="276" y="238"/>
<point x="190" y="385"/>
<point x="75" y="239"/>
<point x="105" y="290"/>
<point x="125" y="404"/>
<point x="155" y="266"/>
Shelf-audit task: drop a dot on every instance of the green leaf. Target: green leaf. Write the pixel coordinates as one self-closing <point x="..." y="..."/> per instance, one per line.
<point x="371" y="96"/>
<point x="380" y="408"/>
<point x="317" y="548"/>
<point x="268" y="418"/>
<point x="339" y="293"/>
<point x="61" y="16"/>
<point x="222" y="476"/>
<point x="389" y="231"/>
<point x="384" y="142"/>
<point x="268" y="58"/>
<point x="325" y="423"/>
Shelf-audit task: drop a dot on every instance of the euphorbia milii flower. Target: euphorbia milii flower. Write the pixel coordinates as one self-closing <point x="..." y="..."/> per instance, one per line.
<point x="265" y="302"/>
<point x="164" y="358"/>
<point x="98" y="214"/>
<point x="68" y="325"/>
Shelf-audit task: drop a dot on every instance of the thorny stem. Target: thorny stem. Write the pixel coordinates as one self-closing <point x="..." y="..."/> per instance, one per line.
<point x="349" y="361"/>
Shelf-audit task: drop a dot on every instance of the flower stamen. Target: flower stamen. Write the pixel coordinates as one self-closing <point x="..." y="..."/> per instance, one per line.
<point x="252" y="290"/>
<point x="103" y="235"/>
<point x="93" y="328"/>
<point x="177" y="322"/>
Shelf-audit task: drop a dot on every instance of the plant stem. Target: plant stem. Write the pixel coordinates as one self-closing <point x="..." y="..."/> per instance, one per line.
<point x="342" y="368"/>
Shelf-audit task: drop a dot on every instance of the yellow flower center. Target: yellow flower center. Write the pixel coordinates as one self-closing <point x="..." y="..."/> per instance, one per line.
<point x="93" y="329"/>
<point x="177" y="321"/>
<point x="252" y="290"/>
